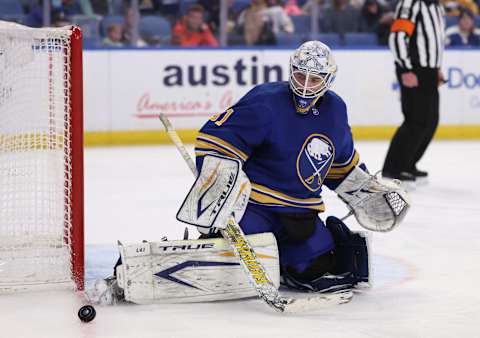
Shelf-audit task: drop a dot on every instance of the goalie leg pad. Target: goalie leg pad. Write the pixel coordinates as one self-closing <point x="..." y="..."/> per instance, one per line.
<point x="191" y="270"/>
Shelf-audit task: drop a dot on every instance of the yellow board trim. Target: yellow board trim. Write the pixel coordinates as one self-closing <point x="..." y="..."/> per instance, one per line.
<point x="444" y="132"/>
<point x="138" y="137"/>
<point x="143" y="137"/>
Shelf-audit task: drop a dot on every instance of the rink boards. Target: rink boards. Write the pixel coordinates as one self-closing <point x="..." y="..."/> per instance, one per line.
<point x="126" y="89"/>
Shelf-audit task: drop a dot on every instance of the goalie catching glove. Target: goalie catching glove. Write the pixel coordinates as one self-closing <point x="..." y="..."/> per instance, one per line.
<point x="221" y="190"/>
<point x="376" y="203"/>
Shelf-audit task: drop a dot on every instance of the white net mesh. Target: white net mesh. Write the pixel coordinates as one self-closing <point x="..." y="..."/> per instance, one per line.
<point x="35" y="161"/>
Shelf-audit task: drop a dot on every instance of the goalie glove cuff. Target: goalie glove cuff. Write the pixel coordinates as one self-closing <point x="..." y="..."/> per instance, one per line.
<point x="378" y="204"/>
<point x="351" y="187"/>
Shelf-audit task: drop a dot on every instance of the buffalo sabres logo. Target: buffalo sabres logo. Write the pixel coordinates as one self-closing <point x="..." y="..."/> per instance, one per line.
<point x="302" y="103"/>
<point x="314" y="161"/>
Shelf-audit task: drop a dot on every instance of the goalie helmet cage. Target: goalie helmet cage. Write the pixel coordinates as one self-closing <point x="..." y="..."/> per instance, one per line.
<point x="41" y="158"/>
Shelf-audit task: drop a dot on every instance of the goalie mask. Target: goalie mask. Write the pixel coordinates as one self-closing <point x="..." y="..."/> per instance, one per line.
<point x="312" y="71"/>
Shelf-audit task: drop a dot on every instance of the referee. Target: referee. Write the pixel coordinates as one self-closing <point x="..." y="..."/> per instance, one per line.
<point x="417" y="42"/>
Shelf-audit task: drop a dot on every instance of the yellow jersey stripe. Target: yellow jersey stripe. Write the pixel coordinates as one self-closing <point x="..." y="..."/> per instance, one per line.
<point x="350" y="159"/>
<point x="278" y="194"/>
<point x="335" y="177"/>
<point x="266" y="200"/>
<point x="222" y="144"/>
<point x="204" y="147"/>
<point x="345" y="168"/>
<point x="264" y="195"/>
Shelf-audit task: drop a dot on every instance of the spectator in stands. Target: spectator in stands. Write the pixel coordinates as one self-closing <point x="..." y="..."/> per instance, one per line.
<point x="341" y="18"/>
<point x="323" y="4"/>
<point x="26" y="5"/>
<point x="212" y="9"/>
<point x="113" y="6"/>
<point x="147" y="6"/>
<point x="307" y="8"/>
<point x="59" y="13"/>
<point x="114" y="36"/>
<point x="454" y="7"/>
<point x="67" y="8"/>
<point x="34" y="18"/>
<point x="100" y="7"/>
<point x="389" y="5"/>
<point x="191" y="30"/>
<point x="170" y="9"/>
<point x="275" y="13"/>
<point x="376" y="19"/>
<point x="292" y="8"/>
<point x="254" y="23"/>
<point x="464" y="33"/>
<point x="130" y="28"/>
<point x="86" y="7"/>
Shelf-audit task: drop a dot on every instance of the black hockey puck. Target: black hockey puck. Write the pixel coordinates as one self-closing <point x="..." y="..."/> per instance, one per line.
<point x="87" y="313"/>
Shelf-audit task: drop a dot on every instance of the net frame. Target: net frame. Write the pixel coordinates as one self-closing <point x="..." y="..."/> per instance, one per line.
<point x="73" y="225"/>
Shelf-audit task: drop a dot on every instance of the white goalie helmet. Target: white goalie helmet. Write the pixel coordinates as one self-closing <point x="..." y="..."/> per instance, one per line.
<point x="312" y="69"/>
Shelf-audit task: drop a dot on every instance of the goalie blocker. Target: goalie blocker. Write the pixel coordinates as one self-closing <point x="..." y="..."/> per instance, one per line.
<point x="221" y="190"/>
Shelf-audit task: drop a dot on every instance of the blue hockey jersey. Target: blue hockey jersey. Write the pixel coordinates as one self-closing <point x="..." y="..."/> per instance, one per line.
<point x="287" y="156"/>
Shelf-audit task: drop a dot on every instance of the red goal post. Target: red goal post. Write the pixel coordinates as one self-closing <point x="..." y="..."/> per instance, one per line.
<point x="41" y="158"/>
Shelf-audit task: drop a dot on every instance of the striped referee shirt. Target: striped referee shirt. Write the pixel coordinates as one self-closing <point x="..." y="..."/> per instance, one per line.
<point x="417" y="35"/>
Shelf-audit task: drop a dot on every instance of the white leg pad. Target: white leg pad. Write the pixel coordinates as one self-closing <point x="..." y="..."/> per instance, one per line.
<point x="191" y="270"/>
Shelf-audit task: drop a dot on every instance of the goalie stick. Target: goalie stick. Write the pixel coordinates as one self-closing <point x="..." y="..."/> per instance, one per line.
<point x="254" y="270"/>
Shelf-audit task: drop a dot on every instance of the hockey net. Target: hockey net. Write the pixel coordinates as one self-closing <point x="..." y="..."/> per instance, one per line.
<point x="41" y="158"/>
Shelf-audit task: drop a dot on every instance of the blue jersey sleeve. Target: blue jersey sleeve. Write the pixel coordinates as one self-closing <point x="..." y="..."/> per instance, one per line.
<point x="346" y="157"/>
<point x="235" y="132"/>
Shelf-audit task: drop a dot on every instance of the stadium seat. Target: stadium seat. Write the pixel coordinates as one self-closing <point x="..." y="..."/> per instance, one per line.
<point x="290" y="40"/>
<point x="361" y="39"/>
<point x="185" y="4"/>
<point x="90" y="29"/>
<point x="11" y="10"/>
<point x="330" y="39"/>
<point x="302" y="23"/>
<point x="107" y="21"/>
<point x="240" y="5"/>
<point x="451" y="21"/>
<point x="156" y="28"/>
<point x="116" y="7"/>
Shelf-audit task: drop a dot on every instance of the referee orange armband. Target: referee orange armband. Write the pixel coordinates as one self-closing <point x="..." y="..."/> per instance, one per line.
<point x="403" y="25"/>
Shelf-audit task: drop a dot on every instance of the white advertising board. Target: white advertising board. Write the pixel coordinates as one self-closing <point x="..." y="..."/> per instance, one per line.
<point x="126" y="89"/>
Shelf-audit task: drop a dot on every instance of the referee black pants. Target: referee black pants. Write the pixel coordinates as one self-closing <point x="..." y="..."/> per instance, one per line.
<point x="420" y="111"/>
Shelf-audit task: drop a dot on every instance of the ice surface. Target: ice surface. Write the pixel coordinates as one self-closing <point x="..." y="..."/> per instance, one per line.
<point x="426" y="272"/>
